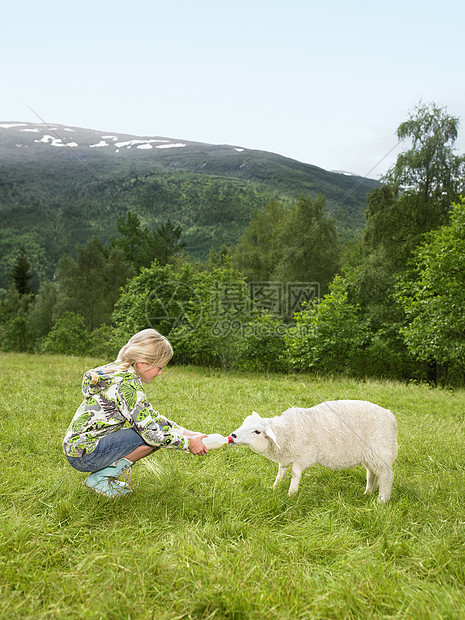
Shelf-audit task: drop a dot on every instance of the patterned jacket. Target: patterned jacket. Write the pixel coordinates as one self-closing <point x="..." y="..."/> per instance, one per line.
<point x="116" y="399"/>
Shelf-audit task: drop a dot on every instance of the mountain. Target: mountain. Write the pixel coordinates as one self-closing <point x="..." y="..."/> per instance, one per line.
<point x="20" y="141"/>
<point x="61" y="185"/>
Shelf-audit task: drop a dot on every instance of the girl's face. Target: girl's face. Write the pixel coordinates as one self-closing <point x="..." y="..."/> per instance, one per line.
<point x="147" y="372"/>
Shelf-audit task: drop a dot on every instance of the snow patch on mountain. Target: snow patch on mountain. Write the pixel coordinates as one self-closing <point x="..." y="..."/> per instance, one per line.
<point x="344" y="172"/>
<point x="55" y="141"/>
<point x="130" y="143"/>
<point x="99" y="145"/>
<point x="10" y="125"/>
<point x="176" y="145"/>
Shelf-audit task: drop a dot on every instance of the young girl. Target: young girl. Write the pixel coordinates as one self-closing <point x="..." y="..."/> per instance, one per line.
<point x="113" y="396"/>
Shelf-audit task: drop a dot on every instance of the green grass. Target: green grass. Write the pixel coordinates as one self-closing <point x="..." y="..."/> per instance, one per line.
<point x="207" y="537"/>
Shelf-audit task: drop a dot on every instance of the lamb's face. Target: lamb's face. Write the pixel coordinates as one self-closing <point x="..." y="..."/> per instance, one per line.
<point x="255" y="432"/>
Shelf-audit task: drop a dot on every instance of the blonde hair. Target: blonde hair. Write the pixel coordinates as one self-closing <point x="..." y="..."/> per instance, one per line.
<point x="146" y="346"/>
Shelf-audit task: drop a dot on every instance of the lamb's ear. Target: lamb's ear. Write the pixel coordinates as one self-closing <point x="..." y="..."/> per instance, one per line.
<point x="256" y="416"/>
<point x="270" y="434"/>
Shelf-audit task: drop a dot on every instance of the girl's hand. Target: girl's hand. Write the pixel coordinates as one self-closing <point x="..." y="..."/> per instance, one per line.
<point x="196" y="445"/>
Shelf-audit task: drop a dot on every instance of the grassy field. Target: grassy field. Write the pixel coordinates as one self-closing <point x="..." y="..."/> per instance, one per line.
<point x="207" y="537"/>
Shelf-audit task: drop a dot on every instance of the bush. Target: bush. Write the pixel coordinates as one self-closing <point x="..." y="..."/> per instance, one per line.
<point x="200" y="312"/>
<point x="16" y="336"/>
<point x="262" y="344"/>
<point x="330" y="336"/>
<point x="387" y="357"/>
<point x="103" y="344"/>
<point x="68" y="336"/>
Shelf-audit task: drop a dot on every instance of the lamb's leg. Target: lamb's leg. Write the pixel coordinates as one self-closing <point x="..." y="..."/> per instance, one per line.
<point x="282" y="469"/>
<point x="296" y="474"/>
<point x="386" y="477"/>
<point x="371" y="481"/>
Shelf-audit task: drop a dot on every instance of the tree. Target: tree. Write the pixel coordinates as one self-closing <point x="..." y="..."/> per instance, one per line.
<point x="21" y="274"/>
<point x="90" y="285"/>
<point x="288" y="244"/>
<point x="132" y="240"/>
<point x="307" y="244"/>
<point x="433" y="296"/>
<point x="419" y="189"/>
<point x="256" y="254"/>
<point x="429" y="171"/>
<point x="165" y="242"/>
<point x="14" y="324"/>
<point x="141" y="244"/>
<point x="15" y="332"/>
<point x="157" y="297"/>
<point x="42" y="313"/>
<point x="219" y="258"/>
<point x="415" y="198"/>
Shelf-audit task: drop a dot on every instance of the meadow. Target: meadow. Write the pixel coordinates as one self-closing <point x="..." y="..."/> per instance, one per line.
<point x="207" y="537"/>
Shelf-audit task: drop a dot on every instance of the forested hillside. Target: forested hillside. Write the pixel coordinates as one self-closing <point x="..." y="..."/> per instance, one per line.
<point x="53" y="198"/>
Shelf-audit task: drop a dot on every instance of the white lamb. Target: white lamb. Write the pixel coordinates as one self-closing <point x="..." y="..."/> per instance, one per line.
<point x="336" y="434"/>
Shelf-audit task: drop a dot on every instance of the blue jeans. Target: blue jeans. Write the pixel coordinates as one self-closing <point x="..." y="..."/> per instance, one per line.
<point x="109" y="449"/>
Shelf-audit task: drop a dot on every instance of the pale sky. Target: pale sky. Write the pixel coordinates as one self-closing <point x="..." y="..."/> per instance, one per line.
<point x="325" y="82"/>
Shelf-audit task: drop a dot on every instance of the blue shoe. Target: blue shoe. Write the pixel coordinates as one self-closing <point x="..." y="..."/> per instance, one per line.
<point x="105" y="480"/>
